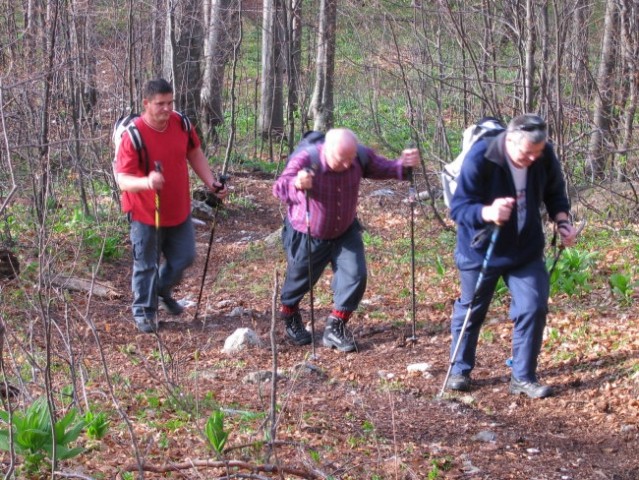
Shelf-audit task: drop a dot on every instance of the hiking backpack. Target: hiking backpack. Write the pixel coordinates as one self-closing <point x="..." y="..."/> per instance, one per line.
<point x="313" y="138"/>
<point x="126" y="124"/>
<point x="487" y="127"/>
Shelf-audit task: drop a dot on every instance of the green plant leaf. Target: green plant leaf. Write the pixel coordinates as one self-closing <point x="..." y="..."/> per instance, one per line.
<point x="214" y="430"/>
<point x="4" y="439"/>
<point x="96" y="425"/>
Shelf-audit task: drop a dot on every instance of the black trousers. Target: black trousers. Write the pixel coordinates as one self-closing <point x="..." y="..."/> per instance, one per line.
<point x="346" y="256"/>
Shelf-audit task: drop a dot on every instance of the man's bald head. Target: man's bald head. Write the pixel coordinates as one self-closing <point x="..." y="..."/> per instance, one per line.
<point x="340" y="148"/>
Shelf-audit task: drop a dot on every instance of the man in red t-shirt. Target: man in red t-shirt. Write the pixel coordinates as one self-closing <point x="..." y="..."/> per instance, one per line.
<point x="170" y="147"/>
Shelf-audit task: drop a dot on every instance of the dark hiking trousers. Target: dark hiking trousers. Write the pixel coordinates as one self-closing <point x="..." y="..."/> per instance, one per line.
<point x="177" y="244"/>
<point x="345" y="255"/>
<point x="529" y="289"/>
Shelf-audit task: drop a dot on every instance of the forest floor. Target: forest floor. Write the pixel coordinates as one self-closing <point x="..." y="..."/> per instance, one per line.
<point x="361" y="415"/>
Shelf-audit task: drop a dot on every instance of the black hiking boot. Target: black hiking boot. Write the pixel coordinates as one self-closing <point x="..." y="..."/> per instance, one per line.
<point x="336" y="335"/>
<point x="532" y="389"/>
<point x="171" y="305"/>
<point x="145" y="324"/>
<point x="296" y="330"/>
<point x="459" y="383"/>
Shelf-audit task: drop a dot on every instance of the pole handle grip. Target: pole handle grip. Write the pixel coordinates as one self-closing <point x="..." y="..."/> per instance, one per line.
<point x="222" y="179"/>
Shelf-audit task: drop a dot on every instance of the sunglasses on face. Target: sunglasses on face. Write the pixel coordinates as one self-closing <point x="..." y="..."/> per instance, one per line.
<point x="532" y="127"/>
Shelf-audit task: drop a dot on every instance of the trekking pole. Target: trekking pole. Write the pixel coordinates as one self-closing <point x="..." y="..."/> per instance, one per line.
<point x="310" y="271"/>
<point x="412" y="200"/>
<point x="480" y="279"/>
<point x="222" y="179"/>
<point x="558" y="251"/>
<point x="561" y="247"/>
<point x="156" y="286"/>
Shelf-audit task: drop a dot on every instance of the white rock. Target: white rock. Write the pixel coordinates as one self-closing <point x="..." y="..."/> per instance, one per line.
<point x="419" y="367"/>
<point x="241" y="339"/>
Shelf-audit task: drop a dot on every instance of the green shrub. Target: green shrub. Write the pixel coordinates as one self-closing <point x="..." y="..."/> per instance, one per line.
<point x="572" y="272"/>
<point x="622" y="287"/>
<point x="33" y="437"/>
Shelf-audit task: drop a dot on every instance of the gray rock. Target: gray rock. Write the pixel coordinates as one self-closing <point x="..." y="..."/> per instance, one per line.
<point x="260" y="377"/>
<point x="485" y="436"/>
<point x="384" y="192"/>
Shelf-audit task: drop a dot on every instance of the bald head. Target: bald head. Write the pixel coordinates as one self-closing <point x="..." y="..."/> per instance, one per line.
<point x="340" y="148"/>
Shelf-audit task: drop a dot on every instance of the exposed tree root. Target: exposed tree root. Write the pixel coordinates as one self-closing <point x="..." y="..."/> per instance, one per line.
<point x="231" y="464"/>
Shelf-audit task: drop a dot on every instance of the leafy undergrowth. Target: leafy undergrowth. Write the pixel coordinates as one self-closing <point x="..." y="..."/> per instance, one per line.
<point x="348" y="416"/>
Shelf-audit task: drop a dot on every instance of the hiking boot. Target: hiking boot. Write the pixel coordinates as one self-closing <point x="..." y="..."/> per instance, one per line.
<point x="460" y="383"/>
<point x="171" y="305"/>
<point x="336" y="335"/>
<point x="145" y="325"/>
<point x="532" y="389"/>
<point x="296" y="330"/>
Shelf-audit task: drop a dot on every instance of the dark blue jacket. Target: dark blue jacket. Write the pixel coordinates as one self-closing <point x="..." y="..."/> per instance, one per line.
<point x="485" y="176"/>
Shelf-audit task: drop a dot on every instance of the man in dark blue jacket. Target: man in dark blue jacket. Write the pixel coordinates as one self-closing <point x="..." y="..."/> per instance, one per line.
<point x="504" y="182"/>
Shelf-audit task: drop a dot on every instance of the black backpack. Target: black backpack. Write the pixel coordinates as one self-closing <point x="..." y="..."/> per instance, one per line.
<point x="126" y="124"/>
<point x="309" y="143"/>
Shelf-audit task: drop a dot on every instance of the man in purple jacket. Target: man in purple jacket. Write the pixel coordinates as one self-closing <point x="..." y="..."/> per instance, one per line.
<point x="504" y="181"/>
<point x="333" y="183"/>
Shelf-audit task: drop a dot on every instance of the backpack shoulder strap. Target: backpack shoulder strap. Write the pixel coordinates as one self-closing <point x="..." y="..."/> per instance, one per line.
<point x="313" y="153"/>
<point x="362" y="156"/>
<point x="186" y="123"/>
<point x="311" y="139"/>
<point x="135" y="136"/>
<point x="186" y="126"/>
<point x="138" y="144"/>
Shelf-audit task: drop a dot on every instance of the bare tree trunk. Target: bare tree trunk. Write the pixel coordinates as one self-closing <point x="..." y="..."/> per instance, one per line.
<point x="321" y="107"/>
<point x="489" y="56"/>
<point x="74" y="47"/>
<point x="10" y="186"/>
<point x="131" y="57"/>
<point x="578" y="45"/>
<point x="169" y="67"/>
<point x="629" y="15"/>
<point x="81" y="35"/>
<point x="271" y="116"/>
<point x="157" y="36"/>
<point x="543" y="105"/>
<point x="219" y="22"/>
<point x="597" y="154"/>
<point x="49" y="39"/>
<point x="555" y="92"/>
<point x="187" y="81"/>
<point x="293" y="43"/>
<point x="237" y="43"/>
<point x="7" y="11"/>
<point x="529" y="55"/>
<point x="440" y="128"/>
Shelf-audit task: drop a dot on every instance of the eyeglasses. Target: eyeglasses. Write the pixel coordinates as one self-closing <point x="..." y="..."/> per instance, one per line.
<point x="532" y="126"/>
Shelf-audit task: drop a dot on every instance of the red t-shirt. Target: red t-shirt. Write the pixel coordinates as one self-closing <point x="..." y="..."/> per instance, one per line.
<point x="169" y="148"/>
